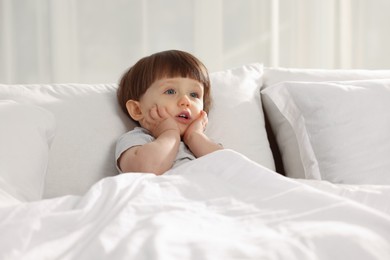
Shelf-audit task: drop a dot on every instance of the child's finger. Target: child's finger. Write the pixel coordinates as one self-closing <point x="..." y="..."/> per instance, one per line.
<point x="163" y="112"/>
<point x="154" y="113"/>
<point x="205" y="119"/>
<point x="203" y="114"/>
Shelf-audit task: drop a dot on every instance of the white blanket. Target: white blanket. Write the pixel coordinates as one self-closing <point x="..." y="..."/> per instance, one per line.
<point x="374" y="196"/>
<point x="220" y="206"/>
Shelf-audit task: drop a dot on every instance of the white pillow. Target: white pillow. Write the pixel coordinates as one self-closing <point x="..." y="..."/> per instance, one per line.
<point x="277" y="75"/>
<point x="236" y="118"/>
<point x="335" y="131"/>
<point x="25" y="135"/>
<point x="89" y="121"/>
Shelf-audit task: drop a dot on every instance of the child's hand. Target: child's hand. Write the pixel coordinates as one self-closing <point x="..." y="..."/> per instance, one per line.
<point x="197" y="126"/>
<point x="159" y="121"/>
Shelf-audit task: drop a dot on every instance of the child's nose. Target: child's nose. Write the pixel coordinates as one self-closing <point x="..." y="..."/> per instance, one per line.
<point x="184" y="101"/>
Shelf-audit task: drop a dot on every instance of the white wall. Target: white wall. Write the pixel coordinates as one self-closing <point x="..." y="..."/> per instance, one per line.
<point x="53" y="41"/>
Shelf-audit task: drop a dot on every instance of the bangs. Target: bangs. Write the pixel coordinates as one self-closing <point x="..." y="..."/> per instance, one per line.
<point x="171" y="65"/>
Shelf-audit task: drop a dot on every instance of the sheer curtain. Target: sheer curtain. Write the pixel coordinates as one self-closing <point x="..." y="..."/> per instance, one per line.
<point x="94" y="41"/>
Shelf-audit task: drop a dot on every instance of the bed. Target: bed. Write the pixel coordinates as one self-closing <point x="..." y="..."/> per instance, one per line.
<point x="304" y="173"/>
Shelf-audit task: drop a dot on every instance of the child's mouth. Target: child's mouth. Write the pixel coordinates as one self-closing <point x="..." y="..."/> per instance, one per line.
<point x="184" y="116"/>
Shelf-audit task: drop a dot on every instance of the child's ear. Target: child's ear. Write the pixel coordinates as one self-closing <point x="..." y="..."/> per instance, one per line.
<point x="134" y="110"/>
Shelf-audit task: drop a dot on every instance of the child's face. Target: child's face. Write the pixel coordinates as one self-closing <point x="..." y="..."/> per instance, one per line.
<point x="181" y="97"/>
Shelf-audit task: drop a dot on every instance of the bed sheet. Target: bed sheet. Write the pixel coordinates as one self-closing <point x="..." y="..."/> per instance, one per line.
<point x="220" y="206"/>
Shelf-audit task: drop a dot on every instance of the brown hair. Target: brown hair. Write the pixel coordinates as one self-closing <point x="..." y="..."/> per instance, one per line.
<point x="172" y="63"/>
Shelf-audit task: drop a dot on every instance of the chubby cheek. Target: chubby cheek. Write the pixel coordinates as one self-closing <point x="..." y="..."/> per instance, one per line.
<point x="197" y="107"/>
<point x="166" y="105"/>
<point x="160" y="102"/>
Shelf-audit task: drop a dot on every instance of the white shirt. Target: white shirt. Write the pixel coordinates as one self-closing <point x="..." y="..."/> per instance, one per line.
<point x="140" y="136"/>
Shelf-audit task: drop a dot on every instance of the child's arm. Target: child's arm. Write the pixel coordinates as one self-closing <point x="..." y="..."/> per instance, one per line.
<point x="197" y="141"/>
<point x="158" y="156"/>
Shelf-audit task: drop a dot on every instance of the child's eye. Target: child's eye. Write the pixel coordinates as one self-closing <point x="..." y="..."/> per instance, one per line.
<point x="170" y="92"/>
<point x="194" y="95"/>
